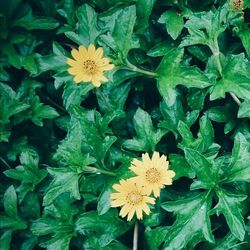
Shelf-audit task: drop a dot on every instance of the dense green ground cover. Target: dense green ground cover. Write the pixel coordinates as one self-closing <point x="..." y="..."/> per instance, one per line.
<point x="180" y="86"/>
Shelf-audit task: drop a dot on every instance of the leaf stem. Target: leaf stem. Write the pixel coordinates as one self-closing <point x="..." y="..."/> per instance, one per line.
<point x="134" y="68"/>
<point x="241" y="243"/>
<point x="5" y="162"/>
<point x="135" y="238"/>
<point x="102" y="171"/>
<point x="235" y="98"/>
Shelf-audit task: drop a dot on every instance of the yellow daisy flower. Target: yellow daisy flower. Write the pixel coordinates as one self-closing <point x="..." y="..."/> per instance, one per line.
<point x="153" y="173"/>
<point x="132" y="198"/>
<point x="88" y="65"/>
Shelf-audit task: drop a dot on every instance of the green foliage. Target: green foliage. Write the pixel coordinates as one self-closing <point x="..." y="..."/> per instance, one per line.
<point x="181" y="87"/>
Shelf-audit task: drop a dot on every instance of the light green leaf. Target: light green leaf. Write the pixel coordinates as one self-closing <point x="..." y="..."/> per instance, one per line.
<point x="64" y="180"/>
<point x="173" y="21"/>
<point x="192" y="221"/>
<point x="244" y="110"/>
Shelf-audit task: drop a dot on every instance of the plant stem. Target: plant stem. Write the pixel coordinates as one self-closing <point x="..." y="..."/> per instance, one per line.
<point x="135" y="239"/>
<point x="5" y="162"/>
<point x="235" y="98"/>
<point x="102" y="171"/>
<point x="132" y="67"/>
<point x="216" y="53"/>
<point x="103" y="98"/>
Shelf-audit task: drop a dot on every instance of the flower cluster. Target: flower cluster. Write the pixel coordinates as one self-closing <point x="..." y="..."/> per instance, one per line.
<point x="133" y="194"/>
<point x="89" y="65"/>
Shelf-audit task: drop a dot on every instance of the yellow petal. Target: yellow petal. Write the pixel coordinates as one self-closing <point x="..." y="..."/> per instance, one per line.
<point x="74" y="71"/>
<point x="91" y="51"/>
<point x="118" y="203"/>
<point x="131" y="213"/>
<point x="149" y="200"/>
<point x="156" y="191"/>
<point x="83" y="52"/>
<point x="118" y="187"/>
<point x="76" y="55"/>
<point x="78" y="78"/>
<point x="107" y="67"/>
<point x="103" y="62"/>
<point x="98" y="54"/>
<point x="146" y="209"/>
<point x="124" y="211"/>
<point x="73" y="63"/>
<point x="139" y="213"/>
<point x="96" y="82"/>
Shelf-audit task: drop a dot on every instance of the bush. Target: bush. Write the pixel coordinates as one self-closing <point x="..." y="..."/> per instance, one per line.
<point x="175" y="79"/>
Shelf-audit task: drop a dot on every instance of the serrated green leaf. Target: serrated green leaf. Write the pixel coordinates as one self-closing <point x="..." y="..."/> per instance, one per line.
<point x="202" y="167"/>
<point x="229" y="206"/>
<point x="147" y="136"/>
<point x="172" y="72"/>
<point x="192" y="221"/>
<point x="65" y="180"/>
<point x="239" y="169"/>
<point x="235" y="78"/>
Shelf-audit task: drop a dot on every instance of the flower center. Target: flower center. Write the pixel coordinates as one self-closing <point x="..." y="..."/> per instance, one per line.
<point x="153" y="175"/>
<point x="89" y="66"/>
<point x="134" y="198"/>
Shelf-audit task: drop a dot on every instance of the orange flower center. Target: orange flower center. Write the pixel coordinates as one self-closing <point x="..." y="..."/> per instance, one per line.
<point x="153" y="175"/>
<point x="89" y="66"/>
<point x="134" y="198"/>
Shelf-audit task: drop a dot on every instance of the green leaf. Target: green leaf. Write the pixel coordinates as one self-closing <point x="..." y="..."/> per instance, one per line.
<point x="244" y="34"/>
<point x="106" y="227"/>
<point x="244" y="110"/>
<point x="87" y="29"/>
<point x="121" y="38"/>
<point x="10" y="202"/>
<point x="28" y="173"/>
<point x="173" y="113"/>
<point x="155" y="237"/>
<point x="172" y="72"/>
<point x="239" y="169"/>
<point x="205" y="137"/>
<point x="173" y="21"/>
<point x="143" y="11"/>
<point x="202" y="167"/>
<point x="147" y="136"/>
<point x="34" y="23"/>
<point x="227" y="242"/>
<point x="235" y="78"/>
<point x="180" y="166"/>
<point x="205" y="27"/>
<point x="64" y="180"/>
<point x="41" y="111"/>
<point x="229" y="206"/>
<point x="5" y="240"/>
<point x="192" y="221"/>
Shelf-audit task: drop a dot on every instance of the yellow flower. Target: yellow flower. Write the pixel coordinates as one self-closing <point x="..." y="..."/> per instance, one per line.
<point x="153" y="174"/>
<point x="132" y="198"/>
<point x="88" y="65"/>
